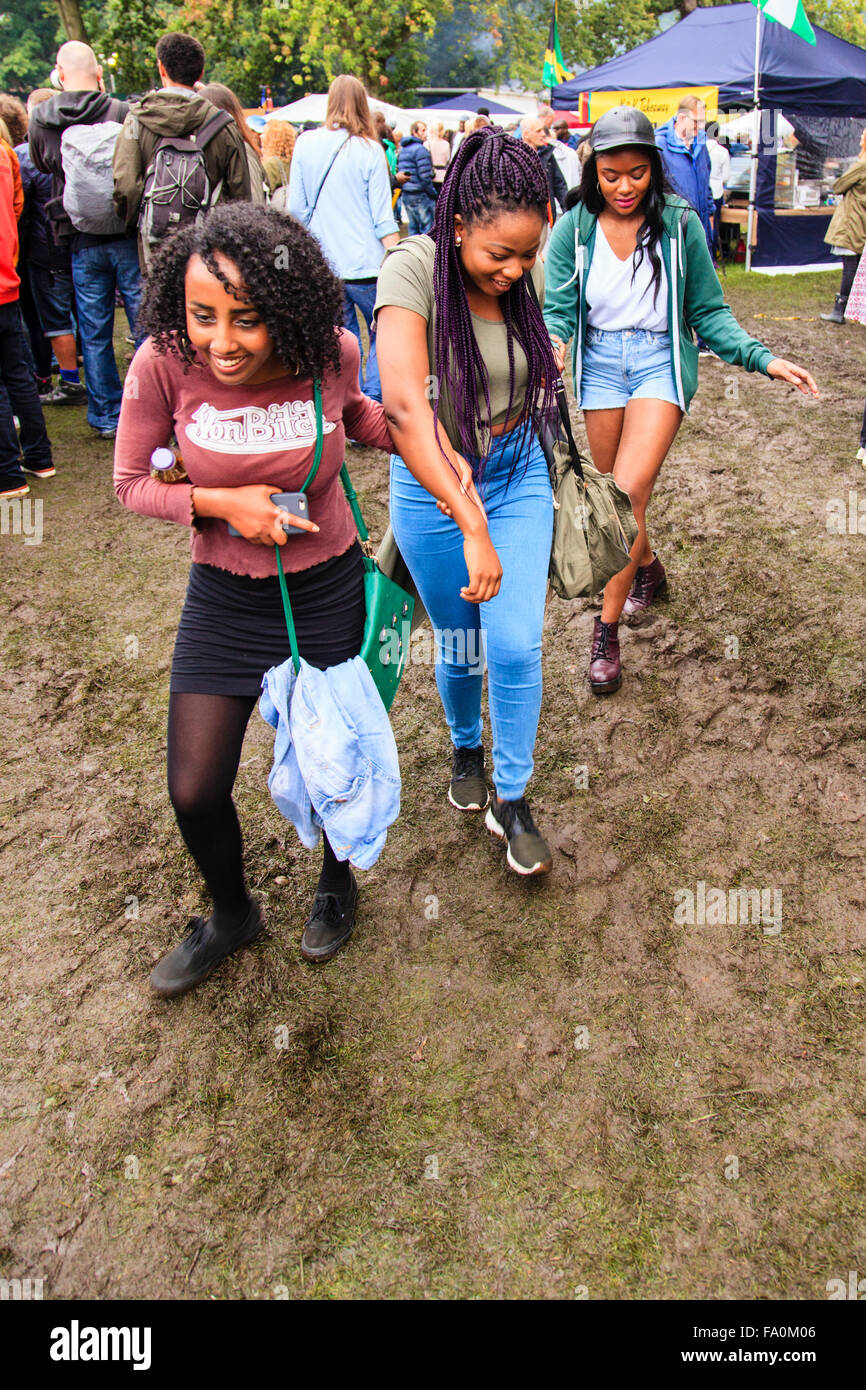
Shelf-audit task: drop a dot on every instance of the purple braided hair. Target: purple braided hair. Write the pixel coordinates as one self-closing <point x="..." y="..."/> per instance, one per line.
<point x="491" y="173"/>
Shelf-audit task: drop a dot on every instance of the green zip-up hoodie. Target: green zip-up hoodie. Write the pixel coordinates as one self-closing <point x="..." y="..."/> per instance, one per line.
<point x="699" y="304"/>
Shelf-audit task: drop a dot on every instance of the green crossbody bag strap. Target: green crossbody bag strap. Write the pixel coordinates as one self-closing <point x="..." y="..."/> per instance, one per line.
<point x="284" y="592"/>
<point x="352" y="499"/>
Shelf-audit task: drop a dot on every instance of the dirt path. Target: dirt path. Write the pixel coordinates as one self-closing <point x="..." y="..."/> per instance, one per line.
<point x="500" y="1089"/>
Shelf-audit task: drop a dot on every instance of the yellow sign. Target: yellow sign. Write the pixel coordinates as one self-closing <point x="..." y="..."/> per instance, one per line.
<point x="659" y="103"/>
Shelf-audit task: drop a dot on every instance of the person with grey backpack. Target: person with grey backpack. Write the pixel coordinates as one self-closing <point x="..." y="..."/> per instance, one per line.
<point x="72" y="137"/>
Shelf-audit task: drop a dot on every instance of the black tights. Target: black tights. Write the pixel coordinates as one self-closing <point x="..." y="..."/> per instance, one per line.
<point x="205" y="737"/>
<point x="849" y="270"/>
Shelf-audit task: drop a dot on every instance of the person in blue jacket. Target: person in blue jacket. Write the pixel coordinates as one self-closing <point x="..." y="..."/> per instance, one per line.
<point x="419" y="191"/>
<point x="683" y="144"/>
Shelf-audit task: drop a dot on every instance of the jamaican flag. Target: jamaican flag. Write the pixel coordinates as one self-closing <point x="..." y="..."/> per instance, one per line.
<point x="555" y="70"/>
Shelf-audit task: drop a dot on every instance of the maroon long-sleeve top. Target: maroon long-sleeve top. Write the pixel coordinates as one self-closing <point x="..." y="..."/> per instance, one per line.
<point x="232" y="436"/>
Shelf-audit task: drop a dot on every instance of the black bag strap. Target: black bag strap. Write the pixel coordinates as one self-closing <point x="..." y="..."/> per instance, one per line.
<point x="561" y="396"/>
<point x="211" y="127"/>
<point x="340" y="147"/>
<point x="194" y="139"/>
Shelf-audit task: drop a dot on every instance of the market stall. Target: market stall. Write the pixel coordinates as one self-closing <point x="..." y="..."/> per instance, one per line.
<point x="820" y="91"/>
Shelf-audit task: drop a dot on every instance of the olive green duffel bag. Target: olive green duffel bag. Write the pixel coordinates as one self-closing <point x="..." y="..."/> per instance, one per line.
<point x="593" y="524"/>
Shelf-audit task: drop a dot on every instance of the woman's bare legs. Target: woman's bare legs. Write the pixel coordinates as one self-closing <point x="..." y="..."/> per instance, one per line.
<point x="631" y="442"/>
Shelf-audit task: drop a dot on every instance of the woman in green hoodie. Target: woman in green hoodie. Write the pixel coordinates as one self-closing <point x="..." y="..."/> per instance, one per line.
<point x="628" y="278"/>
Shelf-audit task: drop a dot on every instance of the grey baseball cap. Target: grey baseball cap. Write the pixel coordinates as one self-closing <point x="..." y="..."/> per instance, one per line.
<point x="621" y="125"/>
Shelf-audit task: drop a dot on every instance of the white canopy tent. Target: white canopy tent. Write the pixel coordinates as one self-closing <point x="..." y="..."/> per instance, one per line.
<point x="744" y="124"/>
<point x="313" y="108"/>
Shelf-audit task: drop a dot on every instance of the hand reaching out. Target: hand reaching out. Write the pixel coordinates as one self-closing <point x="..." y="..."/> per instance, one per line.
<point x="781" y="370"/>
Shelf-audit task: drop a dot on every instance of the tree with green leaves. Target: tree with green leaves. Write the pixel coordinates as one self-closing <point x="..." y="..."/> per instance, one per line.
<point x="72" y="20"/>
<point x="393" y="47"/>
<point x="29" y="37"/>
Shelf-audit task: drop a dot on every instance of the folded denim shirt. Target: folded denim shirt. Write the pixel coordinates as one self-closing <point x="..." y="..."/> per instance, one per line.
<point x="335" y="758"/>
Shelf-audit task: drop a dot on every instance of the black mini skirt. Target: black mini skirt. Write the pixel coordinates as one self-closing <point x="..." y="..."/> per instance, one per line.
<point x="232" y="628"/>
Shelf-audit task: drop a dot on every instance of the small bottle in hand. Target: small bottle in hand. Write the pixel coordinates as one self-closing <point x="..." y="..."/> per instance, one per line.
<point x="167" y="466"/>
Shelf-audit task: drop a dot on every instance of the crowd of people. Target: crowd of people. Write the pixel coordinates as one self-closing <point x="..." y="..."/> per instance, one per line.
<point x="243" y="269"/>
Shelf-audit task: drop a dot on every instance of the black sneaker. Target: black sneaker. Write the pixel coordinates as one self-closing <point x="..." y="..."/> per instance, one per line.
<point x="528" y="853"/>
<point x="67" y="393"/>
<point x="468" y="789"/>
<point x="11" y="488"/>
<point x="330" y="923"/>
<point x="201" y="952"/>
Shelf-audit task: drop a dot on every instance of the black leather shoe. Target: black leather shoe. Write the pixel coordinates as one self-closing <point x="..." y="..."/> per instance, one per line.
<point x="201" y="952"/>
<point x="330" y="923"/>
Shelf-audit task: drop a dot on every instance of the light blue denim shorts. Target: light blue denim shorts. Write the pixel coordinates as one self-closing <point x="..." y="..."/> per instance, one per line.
<point x="623" y="365"/>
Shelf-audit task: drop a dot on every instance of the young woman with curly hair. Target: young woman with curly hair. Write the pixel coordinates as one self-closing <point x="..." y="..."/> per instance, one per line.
<point x="243" y="312"/>
<point x="468" y="378"/>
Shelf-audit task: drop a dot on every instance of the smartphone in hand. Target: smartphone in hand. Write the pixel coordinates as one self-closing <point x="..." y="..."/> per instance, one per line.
<point x="294" y="502"/>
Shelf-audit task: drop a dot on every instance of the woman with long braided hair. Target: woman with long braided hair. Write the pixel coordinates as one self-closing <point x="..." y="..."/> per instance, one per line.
<point x="468" y="373"/>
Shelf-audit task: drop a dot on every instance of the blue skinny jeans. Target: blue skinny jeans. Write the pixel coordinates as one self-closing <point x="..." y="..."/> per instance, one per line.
<point x="506" y="631"/>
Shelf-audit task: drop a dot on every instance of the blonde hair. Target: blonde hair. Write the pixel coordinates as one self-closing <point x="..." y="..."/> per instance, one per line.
<point x="348" y="107"/>
<point x="690" y="103"/>
<point x="278" y="138"/>
<point x="479" y="123"/>
<point x="436" y="131"/>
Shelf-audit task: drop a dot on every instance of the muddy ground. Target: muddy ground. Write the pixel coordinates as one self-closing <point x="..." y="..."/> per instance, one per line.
<point x="541" y="1090"/>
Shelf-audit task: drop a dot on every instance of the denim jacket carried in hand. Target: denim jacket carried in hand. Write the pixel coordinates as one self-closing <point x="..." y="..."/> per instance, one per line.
<point x="335" y="758"/>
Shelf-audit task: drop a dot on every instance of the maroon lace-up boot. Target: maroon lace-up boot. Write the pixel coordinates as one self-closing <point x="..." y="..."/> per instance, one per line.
<point x="605" y="667"/>
<point x="649" y="582"/>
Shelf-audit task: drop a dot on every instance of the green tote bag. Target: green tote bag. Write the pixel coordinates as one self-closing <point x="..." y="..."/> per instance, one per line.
<point x="390" y="608"/>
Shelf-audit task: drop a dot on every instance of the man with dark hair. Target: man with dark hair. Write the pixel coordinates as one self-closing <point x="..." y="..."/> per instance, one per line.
<point x="104" y="258"/>
<point x="181" y="58"/>
<point x="176" y="113"/>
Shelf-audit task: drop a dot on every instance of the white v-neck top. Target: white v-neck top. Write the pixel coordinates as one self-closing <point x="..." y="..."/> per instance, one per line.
<point x="618" y="296"/>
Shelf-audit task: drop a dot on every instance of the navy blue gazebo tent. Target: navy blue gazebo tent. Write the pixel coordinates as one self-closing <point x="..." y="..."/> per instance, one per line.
<point x="471" y="101"/>
<point x="715" y="47"/>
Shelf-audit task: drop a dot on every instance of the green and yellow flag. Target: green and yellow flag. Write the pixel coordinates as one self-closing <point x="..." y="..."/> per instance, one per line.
<point x="555" y="70"/>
